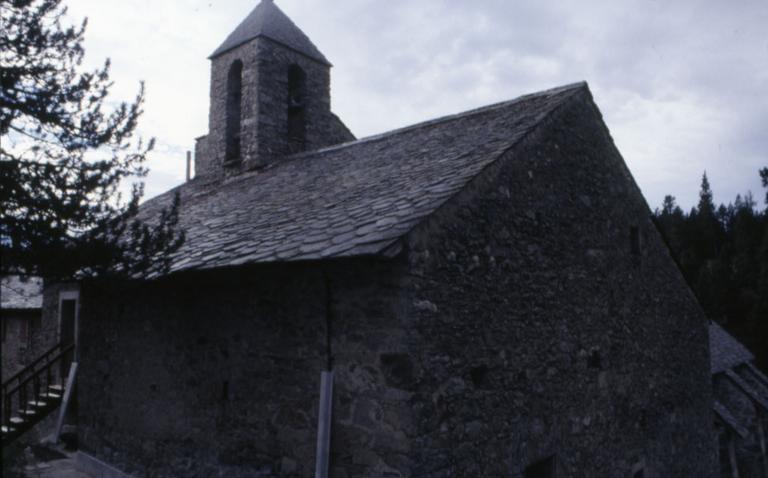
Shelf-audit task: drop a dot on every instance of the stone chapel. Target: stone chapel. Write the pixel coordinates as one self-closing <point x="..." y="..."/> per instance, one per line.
<point x="478" y="295"/>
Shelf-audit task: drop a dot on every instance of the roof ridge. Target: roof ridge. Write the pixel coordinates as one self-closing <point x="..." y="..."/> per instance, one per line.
<point x="443" y="119"/>
<point x="573" y="87"/>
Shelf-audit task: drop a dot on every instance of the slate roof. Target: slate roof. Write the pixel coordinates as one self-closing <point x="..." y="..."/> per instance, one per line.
<point x="752" y="392"/>
<point x="725" y="351"/>
<point x="727" y="417"/>
<point x="17" y="293"/>
<point x="355" y="199"/>
<point x="267" y="20"/>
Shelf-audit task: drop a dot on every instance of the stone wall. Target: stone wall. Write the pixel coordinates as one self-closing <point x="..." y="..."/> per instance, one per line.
<point x="543" y="331"/>
<point x="538" y="314"/>
<point x="264" y="123"/>
<point x="49" y="333"/>
<point x="17" y="342"/>
<point x="42" y="333"/>
<point x="218" y="374"/>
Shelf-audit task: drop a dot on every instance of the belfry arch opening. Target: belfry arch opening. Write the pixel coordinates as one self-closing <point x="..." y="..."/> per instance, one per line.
<point x="234" y="110"/>
<point x="297" y="81"/>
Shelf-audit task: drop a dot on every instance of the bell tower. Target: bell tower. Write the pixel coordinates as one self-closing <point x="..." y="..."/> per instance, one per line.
<point x="270" y="97"/>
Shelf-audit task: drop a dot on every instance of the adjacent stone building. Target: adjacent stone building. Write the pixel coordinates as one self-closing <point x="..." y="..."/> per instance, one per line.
<point x="741" y="407"/>
<point x="21" y="302"/>
<point x="487" y="289"/>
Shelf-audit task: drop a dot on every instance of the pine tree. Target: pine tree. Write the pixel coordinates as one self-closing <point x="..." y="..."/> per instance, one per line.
<point x="706" y="202"/>
<point x="723" y="253"/>
<point x="64" y="155"/>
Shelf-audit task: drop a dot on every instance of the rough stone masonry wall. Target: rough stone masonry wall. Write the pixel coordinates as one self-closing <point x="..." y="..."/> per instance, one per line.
<point x="541" y="334"/>
<point x="265" y="108"/>
<point x="14" y="346"/>
<point x="48" y="335"/>
<point x="43" y="331"/>
<point x="217" y="373"/>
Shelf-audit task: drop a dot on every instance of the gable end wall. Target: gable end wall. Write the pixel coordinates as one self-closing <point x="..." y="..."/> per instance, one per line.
<point x="539" y="332"/>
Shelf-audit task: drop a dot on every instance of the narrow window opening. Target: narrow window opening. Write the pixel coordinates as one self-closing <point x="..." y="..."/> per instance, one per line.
<point x="639" y="474"/>
<point x="296" y="109"/>
<point x="225" y="391"/>
<point x="234" y="111"/>
<point x="541" y="469"/>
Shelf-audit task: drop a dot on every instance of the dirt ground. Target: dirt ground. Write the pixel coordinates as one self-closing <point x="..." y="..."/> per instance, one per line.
<point x="60" y="468"/>
<point x="45" y="461"/>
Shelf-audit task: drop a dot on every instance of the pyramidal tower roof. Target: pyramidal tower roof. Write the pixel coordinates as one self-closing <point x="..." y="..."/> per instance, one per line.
<point x="267" y="20"/>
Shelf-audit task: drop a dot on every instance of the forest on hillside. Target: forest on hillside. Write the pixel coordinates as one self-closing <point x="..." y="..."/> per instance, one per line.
<point x="723" y="254"/>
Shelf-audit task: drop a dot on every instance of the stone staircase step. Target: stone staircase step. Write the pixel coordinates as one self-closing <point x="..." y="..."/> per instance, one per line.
<point x="17" y="420"/>
<point x="38" y="404"/>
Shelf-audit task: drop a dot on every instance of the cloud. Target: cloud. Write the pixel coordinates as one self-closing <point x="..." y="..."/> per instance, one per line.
<point x="681" y="84"/>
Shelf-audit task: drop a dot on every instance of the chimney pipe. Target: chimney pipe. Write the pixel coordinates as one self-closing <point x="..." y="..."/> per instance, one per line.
<point x="189" y="165"/>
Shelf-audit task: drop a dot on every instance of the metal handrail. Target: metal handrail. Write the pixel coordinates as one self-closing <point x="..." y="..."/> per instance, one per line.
<point x="46" y="368"/>
<point x="31" y="366"/>
<point x="41" y="379"/>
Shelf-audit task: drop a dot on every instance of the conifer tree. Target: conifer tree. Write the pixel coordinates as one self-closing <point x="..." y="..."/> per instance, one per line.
<point x="723" y="253"/>
<point x="64" y="154"/>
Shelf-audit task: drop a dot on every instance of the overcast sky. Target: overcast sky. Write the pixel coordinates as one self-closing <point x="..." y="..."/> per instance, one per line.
<point x="682" y="85"/>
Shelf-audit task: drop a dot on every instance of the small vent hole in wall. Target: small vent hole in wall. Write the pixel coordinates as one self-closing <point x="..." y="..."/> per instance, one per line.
<point x="225" y="391"/>
<point x="595" y="360"/>
<point x="541" y="469"/>
<point x="479" y="376"/>
<point x="639" y="474"/>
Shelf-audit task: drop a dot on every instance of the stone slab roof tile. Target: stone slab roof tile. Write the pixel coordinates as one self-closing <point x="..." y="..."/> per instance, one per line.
<point x="756" y="396"/>
<point x="727" y="417"/>
<point x="348" y="200"/>
<point x="758" y="374"/>
<point x="725" y="351"/>
<point x="20" y="293"/>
